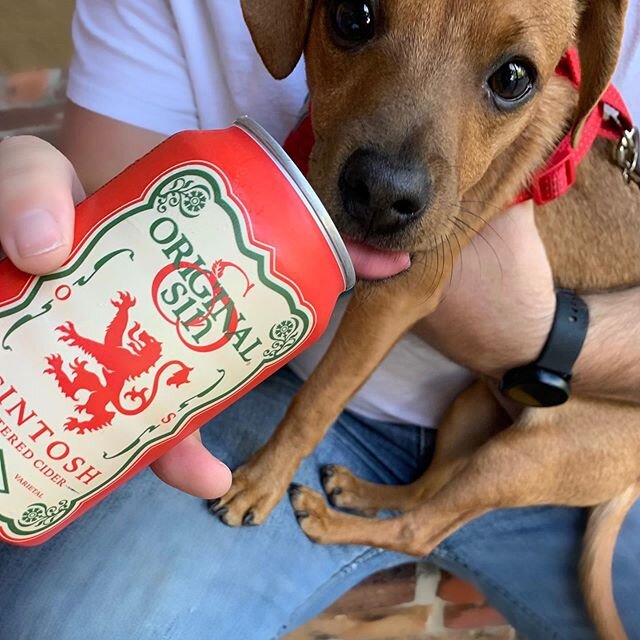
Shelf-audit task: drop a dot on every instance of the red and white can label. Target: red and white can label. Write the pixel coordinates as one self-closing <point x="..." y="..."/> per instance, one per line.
<point x="169" y="308"/>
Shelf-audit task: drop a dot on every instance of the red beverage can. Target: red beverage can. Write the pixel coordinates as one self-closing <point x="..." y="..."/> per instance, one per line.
<point x="196" y="273"/>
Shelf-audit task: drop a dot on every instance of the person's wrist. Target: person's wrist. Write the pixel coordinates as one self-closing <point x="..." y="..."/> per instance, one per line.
<point x="584" y="367"/>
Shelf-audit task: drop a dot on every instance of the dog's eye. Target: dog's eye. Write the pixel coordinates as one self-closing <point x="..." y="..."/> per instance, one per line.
<point x="512" y="83"/>
<point x="352" y="22"/>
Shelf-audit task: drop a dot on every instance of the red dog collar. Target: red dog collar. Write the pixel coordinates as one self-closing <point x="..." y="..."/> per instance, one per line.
<point x="559" y="174"/>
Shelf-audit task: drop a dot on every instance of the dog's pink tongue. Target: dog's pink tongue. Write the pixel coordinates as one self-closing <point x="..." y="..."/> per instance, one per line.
<point x="376" y="264"/>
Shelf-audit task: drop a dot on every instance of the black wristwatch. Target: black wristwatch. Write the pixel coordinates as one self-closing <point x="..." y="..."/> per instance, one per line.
<point x="547" y="381"/>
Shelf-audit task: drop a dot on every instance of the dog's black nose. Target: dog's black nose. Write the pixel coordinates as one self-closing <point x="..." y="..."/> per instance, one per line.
<point x="382" y="193"/>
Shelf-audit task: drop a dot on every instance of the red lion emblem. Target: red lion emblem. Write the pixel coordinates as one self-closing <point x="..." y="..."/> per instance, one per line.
<point x="119" y="365"/>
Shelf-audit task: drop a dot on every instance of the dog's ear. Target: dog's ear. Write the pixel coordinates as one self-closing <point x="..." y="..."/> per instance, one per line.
<point x="599" y="41"/>
<point x="279" y="31"/>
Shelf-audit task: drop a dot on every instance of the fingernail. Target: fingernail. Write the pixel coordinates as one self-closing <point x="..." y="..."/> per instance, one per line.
<point x="37" y="232"/>
<point x="221" y="464"/>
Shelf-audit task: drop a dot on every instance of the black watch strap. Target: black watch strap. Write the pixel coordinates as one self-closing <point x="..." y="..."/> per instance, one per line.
<point x="567" y="335"/>
<point x="547" y="381"/>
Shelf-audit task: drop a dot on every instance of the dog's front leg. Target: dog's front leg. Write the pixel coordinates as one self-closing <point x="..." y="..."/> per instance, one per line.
<point x="376" y="317"/>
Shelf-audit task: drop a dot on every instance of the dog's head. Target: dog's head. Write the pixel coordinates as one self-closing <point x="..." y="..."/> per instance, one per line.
<point x="420" y="106"/>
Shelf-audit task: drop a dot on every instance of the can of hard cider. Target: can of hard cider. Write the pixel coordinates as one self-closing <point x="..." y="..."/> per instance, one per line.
<point x="196" y="273"/>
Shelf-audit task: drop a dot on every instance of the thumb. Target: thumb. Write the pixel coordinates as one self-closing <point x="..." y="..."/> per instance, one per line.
<point x="191" y="468"/>
<point x="38" y="188"/>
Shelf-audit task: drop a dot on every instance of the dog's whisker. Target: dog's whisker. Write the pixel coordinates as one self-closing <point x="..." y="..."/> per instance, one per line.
<point x="426" y="264"/>
<point x="479" y="217"/>
<point x="442" y="269"/>
<point x="473" y="245"/>
<point x="482" y="236"/>
<point x="460" y="257"/>
<point x="433" y="285"/>
<point x="442" y="266"/>
<point x="448" y="290"/>
<point x="452" y="260"/>
<point x="433" y="256"/>
<point x="447" y="253"/>
<point x="493" y="251"/>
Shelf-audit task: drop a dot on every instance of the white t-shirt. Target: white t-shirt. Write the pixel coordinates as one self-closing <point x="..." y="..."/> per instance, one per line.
<point x="169" y="65"/>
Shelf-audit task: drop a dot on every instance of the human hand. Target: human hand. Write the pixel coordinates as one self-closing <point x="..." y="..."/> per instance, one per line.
<point x="38" y="190"/>
<point x="498" y="310"/>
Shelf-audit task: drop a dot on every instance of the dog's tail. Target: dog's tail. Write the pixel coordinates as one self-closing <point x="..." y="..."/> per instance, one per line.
<point x="604" y="526"/>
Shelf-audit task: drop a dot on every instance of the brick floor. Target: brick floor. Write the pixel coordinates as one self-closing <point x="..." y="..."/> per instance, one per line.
<point x="31" y="102"/>
<point x="413" y="602"/>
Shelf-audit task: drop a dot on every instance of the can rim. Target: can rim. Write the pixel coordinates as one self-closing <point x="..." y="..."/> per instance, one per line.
<point x="250" y="126"/>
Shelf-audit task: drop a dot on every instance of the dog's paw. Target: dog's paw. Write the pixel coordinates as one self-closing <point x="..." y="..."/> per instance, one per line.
<point x="312" y="513"/>
<point x="250" y="500"/>
<point x="346" y="491"/>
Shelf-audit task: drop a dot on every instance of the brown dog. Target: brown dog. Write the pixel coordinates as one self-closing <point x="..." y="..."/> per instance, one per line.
<point x="421" y="87"/>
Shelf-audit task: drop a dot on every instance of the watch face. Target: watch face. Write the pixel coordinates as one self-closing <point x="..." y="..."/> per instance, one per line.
<point x="534" y="387"/>
<point x="524" y="395"/>
<point x="538" y="395"/>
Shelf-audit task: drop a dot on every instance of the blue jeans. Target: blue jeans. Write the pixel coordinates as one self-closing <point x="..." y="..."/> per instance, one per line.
<point x="150" y="562"/>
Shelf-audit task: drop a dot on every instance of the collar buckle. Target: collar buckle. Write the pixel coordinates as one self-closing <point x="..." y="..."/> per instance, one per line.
<point x="627" y="155"/>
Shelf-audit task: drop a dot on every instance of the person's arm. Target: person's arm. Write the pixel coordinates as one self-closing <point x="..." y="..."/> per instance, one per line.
<point x="498" y="313"/>
<point x="100" y="147"/>
<point x="609" y="365"/>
